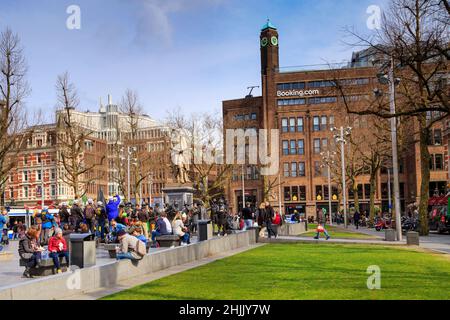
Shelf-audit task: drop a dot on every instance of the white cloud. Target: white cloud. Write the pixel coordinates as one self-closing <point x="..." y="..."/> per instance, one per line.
<point x="153" y="18"/>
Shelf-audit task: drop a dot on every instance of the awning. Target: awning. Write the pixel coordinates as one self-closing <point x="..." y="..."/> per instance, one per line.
<point x="438" y="201"/>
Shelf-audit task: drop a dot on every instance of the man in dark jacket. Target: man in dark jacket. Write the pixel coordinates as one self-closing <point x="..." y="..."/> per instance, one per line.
<point x="64" y="214"/>
<point x="269" y="216"/>
<point x="356" y="218"/>
<point x="102" y="220"/>
<point x="76" y="215"/>
<point x="247" y="215"/>
<point x="89" y="215"/>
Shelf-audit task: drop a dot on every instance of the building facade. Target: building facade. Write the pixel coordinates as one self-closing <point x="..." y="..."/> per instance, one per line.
<point x="303" y="105"/>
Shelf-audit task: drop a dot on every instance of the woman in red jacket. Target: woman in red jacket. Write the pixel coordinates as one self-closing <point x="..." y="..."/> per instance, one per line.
<point x="58" y="248"/>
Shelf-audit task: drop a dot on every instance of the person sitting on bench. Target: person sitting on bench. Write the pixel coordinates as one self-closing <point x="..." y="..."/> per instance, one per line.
<point x="115" y="228"/>
<point x="163" y="227"/>
<point x="179" y="229"/>
<point x="30" y="251"/>
<point x="137" y="230"/>
<point x="58" y="249"/>
<point x="130" y="247"/>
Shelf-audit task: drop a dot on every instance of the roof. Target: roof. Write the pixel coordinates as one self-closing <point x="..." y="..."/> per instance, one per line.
<point x="268" y="25"/>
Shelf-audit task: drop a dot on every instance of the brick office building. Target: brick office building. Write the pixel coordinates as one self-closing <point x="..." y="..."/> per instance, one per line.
<point x="303" y="105"/>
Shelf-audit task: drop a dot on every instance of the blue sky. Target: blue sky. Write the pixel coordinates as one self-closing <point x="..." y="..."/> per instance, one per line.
<point x="188" y="54"/>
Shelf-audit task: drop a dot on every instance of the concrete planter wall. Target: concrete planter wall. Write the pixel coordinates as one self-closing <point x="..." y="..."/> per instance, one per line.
<point x="291" y="229"/>
<point x="87" y="279"/>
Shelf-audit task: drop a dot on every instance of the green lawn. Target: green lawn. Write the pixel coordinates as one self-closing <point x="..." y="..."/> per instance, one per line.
<point x="306" y="271"/>
<point x="337" y="233"/>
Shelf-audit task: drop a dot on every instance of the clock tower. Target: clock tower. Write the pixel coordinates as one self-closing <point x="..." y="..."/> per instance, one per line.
<point x="269" y="49"/>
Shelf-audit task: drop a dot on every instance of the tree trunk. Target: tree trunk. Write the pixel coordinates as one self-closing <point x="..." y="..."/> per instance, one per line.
<point x="373" y="180"/>
<point x="355" y="196"/>
<point x="425" y="171"/>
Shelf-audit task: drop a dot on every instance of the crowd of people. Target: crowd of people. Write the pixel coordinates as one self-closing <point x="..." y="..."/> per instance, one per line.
<point x="132" y="227"/>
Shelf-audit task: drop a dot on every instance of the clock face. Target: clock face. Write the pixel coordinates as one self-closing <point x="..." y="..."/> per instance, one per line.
<point x="274" y="40"/>
<point x="264" y="42"/>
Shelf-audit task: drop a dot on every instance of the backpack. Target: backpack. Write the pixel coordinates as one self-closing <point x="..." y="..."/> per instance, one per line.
<point x="140" y="248"/>
<point x="277" y="219"/>
<point x="89" y="212"/>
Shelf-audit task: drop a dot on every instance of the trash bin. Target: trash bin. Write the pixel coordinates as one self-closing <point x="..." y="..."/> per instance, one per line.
<point x="412" y="238"/>
<point x="256" y="229"/>
<point x="83" y="251"/>
<point x="205" y="231"/>
<point x="390" y="235"/>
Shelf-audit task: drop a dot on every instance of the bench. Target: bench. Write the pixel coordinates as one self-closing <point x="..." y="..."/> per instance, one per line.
<point x="46" y="267"/>
<point x="111" y="248"/>
<point x="168" y="241"/>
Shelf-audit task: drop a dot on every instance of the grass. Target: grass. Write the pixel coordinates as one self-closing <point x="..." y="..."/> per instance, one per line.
<point x="306" y="271"/>
<point x="337" y="233"/>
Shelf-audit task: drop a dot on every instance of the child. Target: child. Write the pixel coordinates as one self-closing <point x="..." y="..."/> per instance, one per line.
<point x="320" y="229"/>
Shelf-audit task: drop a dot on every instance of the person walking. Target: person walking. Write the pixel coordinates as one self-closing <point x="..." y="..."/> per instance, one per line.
<point x="356" y="219"/>
<point x="261" y="219"/>
<point x="269" y="217"/>
<point x="321" y="221"/>
<point x="247" y="215"/>
<point x="76" y="215"/>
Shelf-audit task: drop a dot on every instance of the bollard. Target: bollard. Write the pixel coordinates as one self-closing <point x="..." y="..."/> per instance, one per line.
<point x="412" y="238"/>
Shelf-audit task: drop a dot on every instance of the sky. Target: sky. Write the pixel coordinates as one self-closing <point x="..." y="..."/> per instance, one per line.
<point x="186" y="54"/>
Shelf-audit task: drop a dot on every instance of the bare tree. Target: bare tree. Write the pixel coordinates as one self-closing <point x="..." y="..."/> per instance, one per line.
<point x="13" y="90"/>
<point x="415" y="36"/>
<point x="73" y="139"/>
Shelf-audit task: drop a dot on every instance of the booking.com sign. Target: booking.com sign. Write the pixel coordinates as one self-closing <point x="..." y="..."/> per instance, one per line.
<point x="186" y="149"/>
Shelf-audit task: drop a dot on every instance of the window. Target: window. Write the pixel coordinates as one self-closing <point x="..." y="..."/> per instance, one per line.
<point x="53" y="190"/>
<point x="25" y="192"/>
<point x="25" y="159"/>
<point x="253" y="116"/>
<point x="294" y="193"/>
<point x="38" y="175"/>
<point x="316" y="124"/>
<point x="53" y="174"/>
<point x="320" y="100"/>
<point x="287" y="194"/>
<point x="301" y="169"/>
<point x="301" y="147"/>
<point x="39" y="158"/>
<point x="285" y="147"/>
<point x="284" y="125"/>
<point x="291" y="102"/>
<point x="431" y="162"/>
<point x="319" y="192"/>
<point x="439" y="164"/>
<point x="291" y="124"/>
<point x="324" y="143"/>
<point x="316" y="146"/>
<point x="437" y="137"/>
<point x="320" y="84"/>
<point x="323" y="123"/>
<point x="302" y="191"/>
<point x="317" y="170"/>
<point x="331" y="121"/>
<point x="25" y="175"/>
<point x="294" y="169"/>
<point x="286" y="169"/>
<point x="300" y="124"/>
<point x="293" y="149"/>
<point x="291" y="86"/>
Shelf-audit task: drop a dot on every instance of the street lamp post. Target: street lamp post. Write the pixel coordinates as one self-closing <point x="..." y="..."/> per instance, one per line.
<point x="392" y="82"/>
<point x="328" y="159"/>
<point x="42" y="182"/>
<point x="243" y="188"/>
<point x="340" y="138"/>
